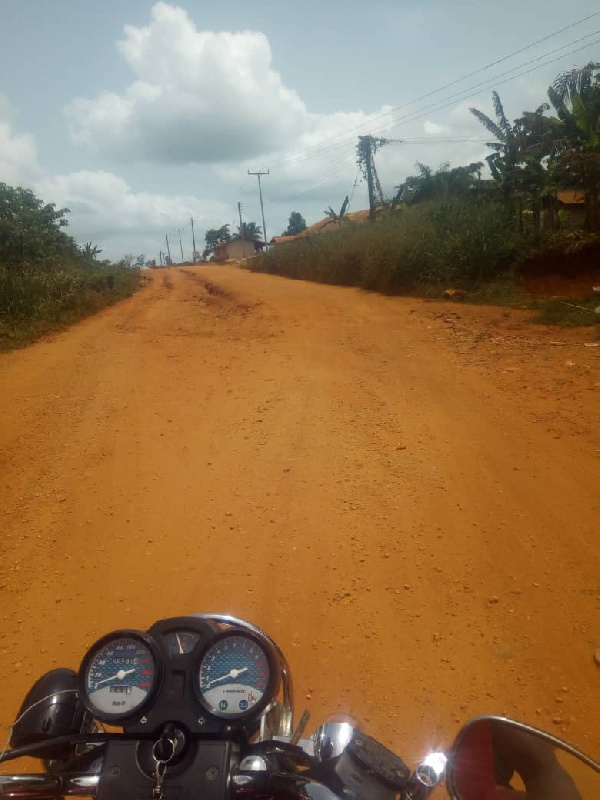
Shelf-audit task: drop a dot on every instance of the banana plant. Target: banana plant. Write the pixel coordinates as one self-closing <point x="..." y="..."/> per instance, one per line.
<point x="575" y="96"/>
<point x="338" y="217"/>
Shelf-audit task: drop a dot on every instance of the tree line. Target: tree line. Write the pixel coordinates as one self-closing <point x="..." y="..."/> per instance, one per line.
<point x="533" y="157"/>
<point x="46" y="278"/>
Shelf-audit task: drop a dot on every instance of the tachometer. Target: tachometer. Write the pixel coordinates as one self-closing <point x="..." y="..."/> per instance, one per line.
<point x="119" y="675"/>
<point x="235" y="676"/>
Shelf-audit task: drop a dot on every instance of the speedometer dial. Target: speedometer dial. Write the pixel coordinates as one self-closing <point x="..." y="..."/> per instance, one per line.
<point x="119" y="674"/>
<point x="235" y="677"/>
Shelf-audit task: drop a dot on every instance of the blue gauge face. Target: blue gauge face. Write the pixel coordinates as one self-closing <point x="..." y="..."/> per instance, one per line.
<point x="120" y="676"/>
<point x="234" y="676"/>
<point x="180" y="643"/>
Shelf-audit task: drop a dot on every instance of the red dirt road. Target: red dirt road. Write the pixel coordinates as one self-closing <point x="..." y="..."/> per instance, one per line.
<point x="405" y="495"/>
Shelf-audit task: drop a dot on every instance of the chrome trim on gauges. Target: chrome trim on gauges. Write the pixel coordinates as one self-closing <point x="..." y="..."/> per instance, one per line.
<point x="286" y="725"/>
<point x="135" y="669"/>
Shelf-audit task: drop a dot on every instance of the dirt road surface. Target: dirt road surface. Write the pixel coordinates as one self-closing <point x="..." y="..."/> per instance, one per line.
<point x="405" y="495"/>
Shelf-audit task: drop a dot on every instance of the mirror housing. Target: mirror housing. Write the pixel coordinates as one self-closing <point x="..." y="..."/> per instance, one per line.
<point x="491" y="753"/>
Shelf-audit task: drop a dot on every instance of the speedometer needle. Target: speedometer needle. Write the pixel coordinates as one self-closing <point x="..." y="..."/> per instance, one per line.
<point x="122" y="673"/>
<point x="231" y="674"/>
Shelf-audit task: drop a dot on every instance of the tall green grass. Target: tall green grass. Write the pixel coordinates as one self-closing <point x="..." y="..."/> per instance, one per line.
<point x="439" y="244"/>
<point x="34" y="301"/>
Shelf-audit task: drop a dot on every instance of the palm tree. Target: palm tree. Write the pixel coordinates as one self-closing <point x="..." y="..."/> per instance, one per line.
<point x="576" y="97"/>
<point x="90" y="251"/>
<point x="250" y="232"/>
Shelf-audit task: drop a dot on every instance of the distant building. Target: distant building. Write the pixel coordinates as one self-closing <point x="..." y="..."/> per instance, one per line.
<point x="573" y="204"/>
<point x="237" y="249"/>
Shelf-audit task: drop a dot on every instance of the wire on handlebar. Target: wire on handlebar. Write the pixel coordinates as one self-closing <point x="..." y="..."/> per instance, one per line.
<point x="80" y="738"/>
<point x="27" y="710"/>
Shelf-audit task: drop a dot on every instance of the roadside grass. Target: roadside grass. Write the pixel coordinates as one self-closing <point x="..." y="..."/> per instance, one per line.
<point x="435" y="245"/>
<point x="569" y="312"/>
<point x="424" y="250"/>
<point x="37" y="301"/>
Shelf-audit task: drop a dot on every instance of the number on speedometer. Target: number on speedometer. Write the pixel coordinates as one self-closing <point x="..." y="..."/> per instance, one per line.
<point x="234" y="676"/>
<point x="119" y="674"/>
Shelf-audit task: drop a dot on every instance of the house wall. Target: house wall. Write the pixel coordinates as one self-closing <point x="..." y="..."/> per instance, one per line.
<point x="239" y="249"/>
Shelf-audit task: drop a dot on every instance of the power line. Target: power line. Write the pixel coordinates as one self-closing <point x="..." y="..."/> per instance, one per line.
<point x="444" y="103"/>
<point x="395" y="109"/>
<point x="491" y="83"/>
<point x="474" y="90"/>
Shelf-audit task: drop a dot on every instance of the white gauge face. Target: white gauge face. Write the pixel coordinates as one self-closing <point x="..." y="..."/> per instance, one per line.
<point x="234" y="676"/>
<point x="120" y="676"/>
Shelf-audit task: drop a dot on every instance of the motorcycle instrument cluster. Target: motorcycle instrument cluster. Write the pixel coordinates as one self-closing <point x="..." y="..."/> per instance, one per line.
<point x="120" y="674"/>
<point x="234" y="676"/>
<point x="215" y="677"/>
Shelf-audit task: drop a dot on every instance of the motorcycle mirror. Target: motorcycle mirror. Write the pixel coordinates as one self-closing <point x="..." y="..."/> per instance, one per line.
<point x="495" y="758"/>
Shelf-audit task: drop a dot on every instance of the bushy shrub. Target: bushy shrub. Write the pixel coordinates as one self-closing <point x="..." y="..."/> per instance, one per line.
<point x="456" y="242"/>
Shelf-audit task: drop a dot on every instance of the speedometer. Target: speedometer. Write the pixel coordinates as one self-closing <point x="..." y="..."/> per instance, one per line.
<point x="119" y="675"/>
<point x="235" y="676"/>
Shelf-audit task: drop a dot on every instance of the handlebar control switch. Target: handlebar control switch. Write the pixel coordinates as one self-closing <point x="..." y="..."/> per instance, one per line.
<point x="369" y="771"/>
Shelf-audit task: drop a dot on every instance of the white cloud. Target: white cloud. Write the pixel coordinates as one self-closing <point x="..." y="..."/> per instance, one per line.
<point x="18" y="153"/>
<point x="201" y="96"/>
<point x="105" y="208"/>
<point x="197" y="96"/>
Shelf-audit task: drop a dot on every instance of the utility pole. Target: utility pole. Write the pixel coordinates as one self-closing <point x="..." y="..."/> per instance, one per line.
<point x="258" y="175"/>
<point x="242" y="230"/>
<point x="169" y="262"/>
<point x="193" y="241"/>
<point x="180" y="245"/>
<point x="161" y="258"/>
<point x="366" y="148"/>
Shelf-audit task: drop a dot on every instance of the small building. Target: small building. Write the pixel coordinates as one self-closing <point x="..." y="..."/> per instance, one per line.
<point x="572" y="204"/>
<point x="236" y="249"/>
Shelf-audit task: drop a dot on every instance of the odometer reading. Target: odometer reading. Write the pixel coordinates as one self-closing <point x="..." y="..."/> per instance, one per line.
<point x="233" y="676"/>
<point x="120" y="676"/>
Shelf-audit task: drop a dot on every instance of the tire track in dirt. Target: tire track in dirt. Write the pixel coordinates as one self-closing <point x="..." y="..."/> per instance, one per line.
<point x="324" y="462"/>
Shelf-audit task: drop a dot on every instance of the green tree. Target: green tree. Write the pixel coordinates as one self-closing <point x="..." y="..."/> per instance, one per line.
<point x="504" y="161"/>
<point x="215" y="236"/>
<point x="519" y="163"/>
<point x="296" y="224"/>
<point x="31" y="230"/>
<point x="444" y="183"/>
<point x="129" y="261"/>
<point x="575" y="96"/>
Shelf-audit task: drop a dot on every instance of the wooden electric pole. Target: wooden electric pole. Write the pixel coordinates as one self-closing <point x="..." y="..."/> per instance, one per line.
<point x="242" y="230"/>
<point x="180" y="245"/>
<point x="258" y="175"/>
<point x="193" y="241"/>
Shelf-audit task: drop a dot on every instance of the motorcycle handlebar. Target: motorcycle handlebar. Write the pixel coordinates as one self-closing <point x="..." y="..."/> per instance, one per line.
<point x="48" y="787"/>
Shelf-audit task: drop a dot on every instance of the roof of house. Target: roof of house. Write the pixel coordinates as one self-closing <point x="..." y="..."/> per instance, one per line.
<point x="326" y="224"/>
<point x="571" y="197"/>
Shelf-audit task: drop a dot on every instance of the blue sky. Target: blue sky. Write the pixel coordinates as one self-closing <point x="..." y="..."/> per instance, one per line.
<point x="138" y="115"/>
